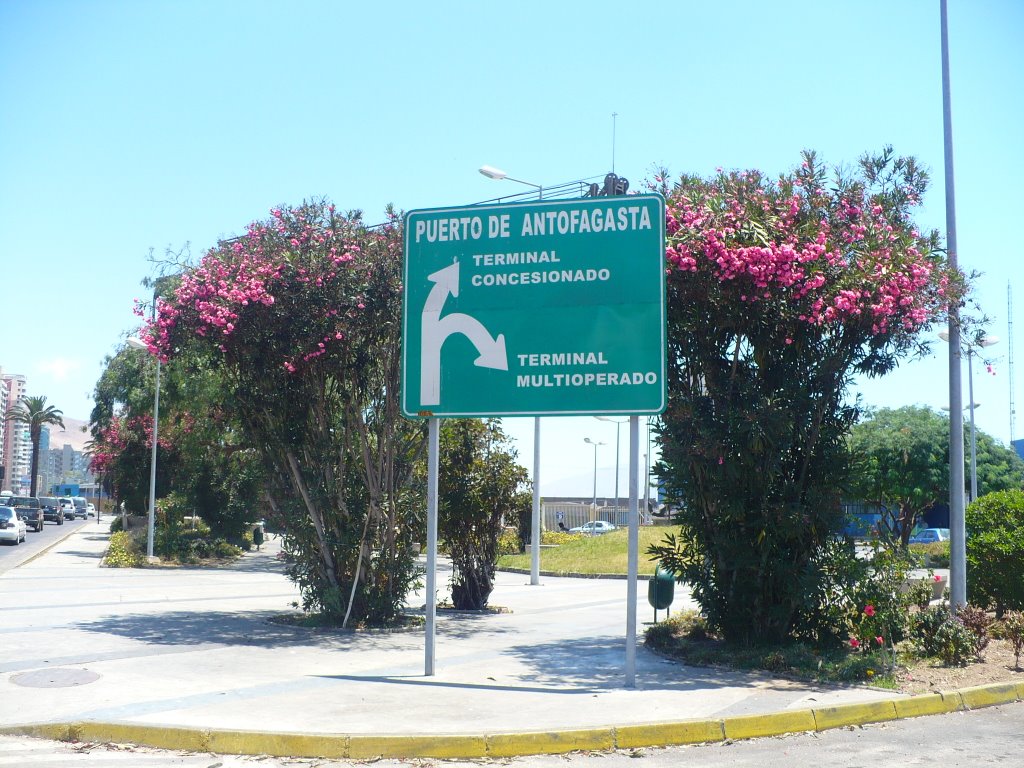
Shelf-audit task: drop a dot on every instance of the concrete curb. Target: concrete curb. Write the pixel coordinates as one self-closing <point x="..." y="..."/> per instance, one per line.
<point x="371" y="746"/>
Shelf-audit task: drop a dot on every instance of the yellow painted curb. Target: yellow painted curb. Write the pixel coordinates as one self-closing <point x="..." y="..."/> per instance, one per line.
<point x="927" y="704"/>
<point x="774" y="724"/>
<point x="854" y="714"/>
<point x="364" y="747"/>
<point x="988" y="695"/>
<point x="277" y="744"/>
<point x="549" y="742"/>
<point x="668" y="734"/>
<point x="189" y="739"/>
<point x="408" y="745"/>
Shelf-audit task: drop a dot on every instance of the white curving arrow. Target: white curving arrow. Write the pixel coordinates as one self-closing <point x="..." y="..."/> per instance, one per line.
<point x="435" y="329"/>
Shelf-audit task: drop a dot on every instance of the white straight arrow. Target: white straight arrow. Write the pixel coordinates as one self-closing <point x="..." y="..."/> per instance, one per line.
<point x="435" y="329"/>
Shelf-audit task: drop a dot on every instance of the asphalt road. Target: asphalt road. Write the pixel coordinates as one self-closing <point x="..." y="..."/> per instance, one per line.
<point x="37" y="542"/>
<point x="991" y="736"/>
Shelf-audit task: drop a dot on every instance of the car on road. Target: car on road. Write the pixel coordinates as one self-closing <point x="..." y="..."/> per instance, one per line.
<point x="90" y="509"/>
<point x="51" y="509"/>
<point x="28" y="509"/>
<point x="12" y="528"/>
<point x="80" y="508"/>
<point x="594" y="527"/>
<point x="68" y="507"/>
<point x="930" y="536"/>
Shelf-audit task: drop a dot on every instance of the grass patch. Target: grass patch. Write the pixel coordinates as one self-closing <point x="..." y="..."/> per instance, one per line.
<point x="685" y="637"/>
<point x="593" y="554"/>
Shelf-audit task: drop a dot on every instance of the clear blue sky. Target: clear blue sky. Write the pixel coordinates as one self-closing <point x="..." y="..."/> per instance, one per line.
<point x="128" y="126"/>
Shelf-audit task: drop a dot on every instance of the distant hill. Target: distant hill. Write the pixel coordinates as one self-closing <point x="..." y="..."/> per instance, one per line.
<point x="75" y="434"/>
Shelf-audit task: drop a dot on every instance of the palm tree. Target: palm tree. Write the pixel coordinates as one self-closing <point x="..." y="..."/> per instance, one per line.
<point x="34" y="412"/>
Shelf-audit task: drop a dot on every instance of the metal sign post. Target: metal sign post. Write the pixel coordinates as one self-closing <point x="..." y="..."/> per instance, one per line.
<point x="433" y="456"/>
<point x="633" y="555"/>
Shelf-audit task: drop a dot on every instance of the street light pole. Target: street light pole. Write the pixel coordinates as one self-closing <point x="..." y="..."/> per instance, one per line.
<point x="498" y="175"/>
<point x="617" y="424"/>
<point x="982" y="341"/>
<point x="136" y="343"/>
<point x="957" y="526"/>
<point x="595" y="444"/>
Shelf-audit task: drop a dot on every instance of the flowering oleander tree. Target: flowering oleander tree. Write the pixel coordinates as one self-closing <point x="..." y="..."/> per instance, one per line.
<point x="301" y="316"/>
<point x="779" y="293"/>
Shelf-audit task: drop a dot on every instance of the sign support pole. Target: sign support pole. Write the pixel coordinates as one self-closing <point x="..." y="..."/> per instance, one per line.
<point x="633" y="553"/>
<point x="433" y="451"/>
<point x="535" y="519"/>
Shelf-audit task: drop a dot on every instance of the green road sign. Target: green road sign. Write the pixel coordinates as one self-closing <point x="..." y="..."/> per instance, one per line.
<point x="535" y="309"/>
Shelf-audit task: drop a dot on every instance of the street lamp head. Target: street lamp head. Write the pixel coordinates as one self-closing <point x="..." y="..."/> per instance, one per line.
<point x="613" y="421"/>
<point x="136" y="343"/>
<point x="979" y="341"/>
<point x="492" y="173"/>
<point x="592" y="442"/>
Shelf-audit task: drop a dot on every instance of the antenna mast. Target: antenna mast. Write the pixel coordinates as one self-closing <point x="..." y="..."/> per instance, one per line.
<point x="1009" y="323"/>
<point x="614" y="115"/>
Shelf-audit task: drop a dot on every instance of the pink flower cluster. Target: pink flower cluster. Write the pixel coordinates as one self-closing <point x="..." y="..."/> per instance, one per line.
<point x="299" y="249"/>
<point x="824" y="260"/>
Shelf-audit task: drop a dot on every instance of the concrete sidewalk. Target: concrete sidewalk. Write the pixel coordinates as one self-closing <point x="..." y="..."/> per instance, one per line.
<point x="188" y="658"/>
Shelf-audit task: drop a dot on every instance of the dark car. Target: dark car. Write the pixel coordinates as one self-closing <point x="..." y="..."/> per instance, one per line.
<point x="51" y="509"/>
<point x="29" y="509"/>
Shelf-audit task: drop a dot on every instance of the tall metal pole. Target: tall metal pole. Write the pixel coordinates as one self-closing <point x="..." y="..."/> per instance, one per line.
<point x="430" y="608"/>
<point x="957" y="527"/>
<point x="617" y="425"/>
<point x="595" y="479"/>
<point x="633" y="556"/>
<point x="535" y="517"/>
<point x="974" y="439"/>
<point x="152" y="464"/>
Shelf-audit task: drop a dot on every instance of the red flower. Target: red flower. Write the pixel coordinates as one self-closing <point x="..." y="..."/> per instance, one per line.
<point x="854" y="642"/>
<point x="880" y="641"/>
<point x="869" y="610"/>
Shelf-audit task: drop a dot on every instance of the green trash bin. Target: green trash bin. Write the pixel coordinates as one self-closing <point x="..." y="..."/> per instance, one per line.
<point x="660" y="590"/>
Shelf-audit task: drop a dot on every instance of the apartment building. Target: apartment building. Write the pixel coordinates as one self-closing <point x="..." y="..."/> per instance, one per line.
<point x="17" y="443"/>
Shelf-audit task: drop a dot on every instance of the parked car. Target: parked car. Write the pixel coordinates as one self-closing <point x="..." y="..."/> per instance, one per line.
<point x="930" y="536"/>
<point x="594" y="527"/>
<point x="68" y="507"/>
<point x="12" y="527"/>
<point x="80" y="508"/>
<point x="51" y="509"/>
<point x="29" y="510"/>
<point x="90" y="509"/>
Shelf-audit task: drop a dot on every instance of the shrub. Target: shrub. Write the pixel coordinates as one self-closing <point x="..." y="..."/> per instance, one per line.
<point x="1013" y="630"/>
<point x="920" y="594"/>
<point x="122" y="552"/>
<point x="954" y="642"/>
<point x="934" y="555"/>
<point x="925" y="625"/>
<point x="882" y="590"/>
<point x="977" y="622"/>
<point x="508" y="542"/>
<point x="559" y="537"/>
<point x="995" y="549"/>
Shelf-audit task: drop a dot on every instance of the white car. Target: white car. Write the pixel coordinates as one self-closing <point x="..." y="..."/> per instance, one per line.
<point x="594" y="527"/>
<point x="90" y="509"/>
<point x="12" y="527"/>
